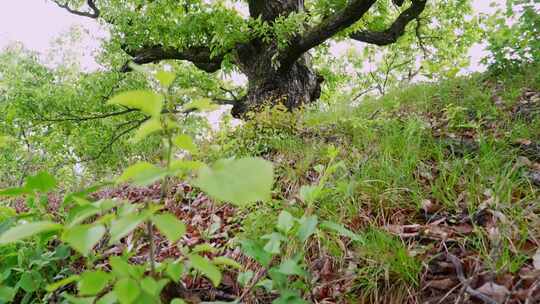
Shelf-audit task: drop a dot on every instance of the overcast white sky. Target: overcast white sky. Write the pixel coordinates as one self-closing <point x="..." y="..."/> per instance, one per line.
<point x="36" y="23"/>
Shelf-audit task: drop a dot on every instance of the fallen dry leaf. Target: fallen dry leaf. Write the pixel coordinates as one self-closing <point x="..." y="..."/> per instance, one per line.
<point x="495" y="291"/>
<point x="536" y="259"/>
<point x="442" y="284"/>
<point x="523" y="141"/>
<point x="429" y="207"/>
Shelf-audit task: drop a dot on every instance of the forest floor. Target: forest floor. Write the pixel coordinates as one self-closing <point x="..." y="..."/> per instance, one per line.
<point x="443" y="181"/>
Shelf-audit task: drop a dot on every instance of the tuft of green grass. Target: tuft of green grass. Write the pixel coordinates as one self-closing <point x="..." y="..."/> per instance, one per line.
<point x="385" y="264"/>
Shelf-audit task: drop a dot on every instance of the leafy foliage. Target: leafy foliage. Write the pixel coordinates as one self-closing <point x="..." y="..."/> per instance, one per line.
<point x="368" y="197"/>
<point x="89" y="222"/>
<point x="513" y="35"/>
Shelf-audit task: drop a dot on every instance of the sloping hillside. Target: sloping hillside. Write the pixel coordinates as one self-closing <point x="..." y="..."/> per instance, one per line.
<point x="430" y="194"/>
<point x="438" y="182"/>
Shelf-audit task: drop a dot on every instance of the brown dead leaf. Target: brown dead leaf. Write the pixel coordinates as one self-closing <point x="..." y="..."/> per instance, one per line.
<point x="495" y="291"/>
<point x="536" y="259"/>
<point x="463" y="228"/>
<point x="523" y="141"/>
<point x="523" y="161"/>
<point x="405" y="231"/>
<point x="429" y="207"/>
<point x="442" y="284"/>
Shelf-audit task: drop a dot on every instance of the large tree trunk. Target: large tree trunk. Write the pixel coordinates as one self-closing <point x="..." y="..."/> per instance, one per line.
<point x="272" y="81"/>
<point x="270" y="84"/>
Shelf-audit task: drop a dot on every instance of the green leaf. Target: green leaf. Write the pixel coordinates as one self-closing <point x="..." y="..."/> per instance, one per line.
<point x="7" y="294"/>
<point x="274" y="242"/>
<point x="79" y="214"/>
<point x="170" y="226"/>
<point x="7" y="212"/>
<point x="206" y="267"/>
<point x="240" y="182"/>
<point x="244" y="278"/>
<point x="5" y="141"/>
<point x="127" y="290"/>
<point x="142" y="174"/>
<point x="109" y="298"/>
<point x="309" y="194"/>
<point x="151" y="126"/>
<point x="205" y="247"/>
<point x="175" y="271"/>
<point x="120" y="267"/>
<point x="185" y="142"/>
<point x="126" y="209"/>
<point x="178" y="301"/>
<point x="256" y="251"/>
<point x="74" y="300"/>
<point x="291" y="267"/>
<point x="165" y="78"/>
<point x="14" y="191"/>
<point x="285" y="221"/>
<point x="42" y="181"/>
<point x="185" y="166"/>
<point x="26" y="230"/>
<point x="92" y="282"/>
<point x="308" y="226"/>
<point x="225" y="261"/>
<point x="289" y="297"/>
<point x="106" y="204"/>
<point x="54" y="286"/>
<point x="266" y="284"/>
<point x="150" y="285"/>
<point x="30" y="281"/>
<point x="153" y="287"/>
<point x="145" y="100"/>
<point x="84" y="193"/>
<point x="341" y="230"/>
<point x="83" y="238"/>
<point x="124" y="225"/>
<point x="202" y="104"/>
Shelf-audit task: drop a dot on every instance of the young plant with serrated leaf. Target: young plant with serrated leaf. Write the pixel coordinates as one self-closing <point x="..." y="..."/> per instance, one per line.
<point x="91" y="227"/>
<point x="287" y="276"/>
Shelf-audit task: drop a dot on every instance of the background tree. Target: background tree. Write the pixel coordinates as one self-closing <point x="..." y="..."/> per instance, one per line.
<point x="63" y="109"/>
<point x="514" y="35"/>
<point x="431" y="49"/>
<point x="271" y="46"/>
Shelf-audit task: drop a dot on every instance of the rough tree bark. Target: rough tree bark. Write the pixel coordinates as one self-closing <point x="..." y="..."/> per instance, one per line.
<point x="292" y="85"/>
<point x="285" y="75"/>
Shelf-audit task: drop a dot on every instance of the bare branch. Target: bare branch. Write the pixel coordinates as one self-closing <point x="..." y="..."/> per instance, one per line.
<point x="420" y="38"/>
<point x="87" y="118"/>
<point x="94" y="14"/>
<point x="114" y="138"/>
<point x="199" y="56"/>
<point x="396" y="30"/>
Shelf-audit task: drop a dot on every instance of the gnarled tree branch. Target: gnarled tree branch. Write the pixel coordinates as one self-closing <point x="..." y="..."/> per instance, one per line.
<point x="396" y="30"/>
<point x="94" y="14"/>
<point x="199" y="56"/>
<point x="326" y="29"/>
<point x="88" y="118"/>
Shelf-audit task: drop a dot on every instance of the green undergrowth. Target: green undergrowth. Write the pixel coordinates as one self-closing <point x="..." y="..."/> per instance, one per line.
<point x="452" y="144"/>
<point x="364" y="198"/>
